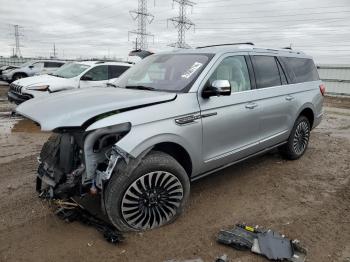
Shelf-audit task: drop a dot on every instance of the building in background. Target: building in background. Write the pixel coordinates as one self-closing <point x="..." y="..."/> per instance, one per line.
<point x="336" y="78"/>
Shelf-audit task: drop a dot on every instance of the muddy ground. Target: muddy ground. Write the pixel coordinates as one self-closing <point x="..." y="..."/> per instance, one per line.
<point x="307" y="199"/>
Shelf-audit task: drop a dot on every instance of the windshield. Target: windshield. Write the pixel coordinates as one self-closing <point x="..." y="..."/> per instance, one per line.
<point x="165" y="72"/>
<point x="27" y="63"/>
<point x="70" y="70"/>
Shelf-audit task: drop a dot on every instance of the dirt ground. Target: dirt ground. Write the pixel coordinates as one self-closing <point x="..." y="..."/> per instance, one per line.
<point x="307" y="199"/>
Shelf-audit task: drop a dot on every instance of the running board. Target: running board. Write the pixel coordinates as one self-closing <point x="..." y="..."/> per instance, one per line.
<point x="237" y="161"/>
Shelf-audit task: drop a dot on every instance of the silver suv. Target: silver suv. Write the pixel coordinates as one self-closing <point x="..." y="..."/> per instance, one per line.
<point x="31" y="68"/>
<point x="173" y="118"/>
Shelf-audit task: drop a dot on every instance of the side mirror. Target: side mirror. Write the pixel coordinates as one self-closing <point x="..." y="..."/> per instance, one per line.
<point x="217" y="88"/>
<point x="86" y="78"/>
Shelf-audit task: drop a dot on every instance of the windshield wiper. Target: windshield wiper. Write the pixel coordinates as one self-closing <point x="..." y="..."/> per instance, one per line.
<point x="140" y="87"/>
<point x="111" y="85"/>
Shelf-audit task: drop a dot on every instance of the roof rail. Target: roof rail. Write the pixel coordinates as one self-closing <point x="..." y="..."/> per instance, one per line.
<point x="247" y="43"/>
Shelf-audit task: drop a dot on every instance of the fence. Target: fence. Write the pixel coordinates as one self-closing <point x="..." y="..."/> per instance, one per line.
<point x="20" y="60"/>
<point x="336" y="78"/>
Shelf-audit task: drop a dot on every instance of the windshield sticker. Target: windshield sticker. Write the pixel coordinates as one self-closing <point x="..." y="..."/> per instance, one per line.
<point x="192" y="70"/>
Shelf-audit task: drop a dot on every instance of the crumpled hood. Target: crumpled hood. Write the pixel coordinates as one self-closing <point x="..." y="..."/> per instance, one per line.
<point x="74" y="108"/>
<point x="50" y="80"/>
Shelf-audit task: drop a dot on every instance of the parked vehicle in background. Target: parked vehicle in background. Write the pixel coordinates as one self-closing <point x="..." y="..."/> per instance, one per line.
<point x="177" y="117"/>
<point x="31" y="68"/>
<point x="6" y="67"/>
<point x="70" y="76"/>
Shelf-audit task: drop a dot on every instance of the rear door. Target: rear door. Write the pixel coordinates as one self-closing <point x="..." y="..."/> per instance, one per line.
<point x="95" y="77"/>
<point x="230" y="123"/>
<point x="35" y="68"/>
<point x="277" y="104"/>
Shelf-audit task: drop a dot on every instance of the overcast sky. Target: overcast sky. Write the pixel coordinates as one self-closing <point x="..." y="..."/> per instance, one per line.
<point x="100" y="28"/>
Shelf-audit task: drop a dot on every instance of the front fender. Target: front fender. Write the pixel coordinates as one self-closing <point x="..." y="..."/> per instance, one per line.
<point x="143" y="137"/>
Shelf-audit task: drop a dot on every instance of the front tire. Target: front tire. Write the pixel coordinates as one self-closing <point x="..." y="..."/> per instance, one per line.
<point x="298" y="139"/>
<point x="148" y="196"/>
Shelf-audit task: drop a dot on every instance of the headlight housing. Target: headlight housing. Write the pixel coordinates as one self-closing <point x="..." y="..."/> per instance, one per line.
<point x="38" y="88"/>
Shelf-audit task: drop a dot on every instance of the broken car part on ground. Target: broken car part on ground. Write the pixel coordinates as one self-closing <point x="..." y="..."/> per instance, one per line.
<point x="70" y="212"/>
<point x="264" y="242"/>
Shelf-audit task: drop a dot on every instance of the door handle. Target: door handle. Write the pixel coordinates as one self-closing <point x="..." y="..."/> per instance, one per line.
<point x="251" y="106"/>
<point x="289" y="98"/>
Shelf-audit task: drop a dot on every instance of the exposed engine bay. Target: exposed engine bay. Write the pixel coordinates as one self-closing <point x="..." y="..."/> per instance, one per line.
<point x="76" y="163"/>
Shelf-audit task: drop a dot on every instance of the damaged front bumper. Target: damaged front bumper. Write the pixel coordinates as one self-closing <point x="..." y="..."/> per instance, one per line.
<point x="74" y="164"/>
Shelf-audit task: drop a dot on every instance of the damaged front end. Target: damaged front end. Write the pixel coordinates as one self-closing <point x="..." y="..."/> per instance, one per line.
<point x="74" y="162"/>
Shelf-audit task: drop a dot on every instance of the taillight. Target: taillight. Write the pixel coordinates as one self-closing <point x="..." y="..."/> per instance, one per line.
<point x="322" y="89"/>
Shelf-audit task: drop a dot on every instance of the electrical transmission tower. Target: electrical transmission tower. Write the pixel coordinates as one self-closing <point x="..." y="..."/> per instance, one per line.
<point x="17" y="36"/>
<point x="143" y="17"/>
<point x="182" y="23"/>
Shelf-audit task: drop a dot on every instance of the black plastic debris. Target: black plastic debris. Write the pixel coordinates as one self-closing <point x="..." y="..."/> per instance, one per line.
<point x="274" y="246"/>
<point x="268" y="243"/>
<point x="79" y="214"/>
<point x="238" y="237"/>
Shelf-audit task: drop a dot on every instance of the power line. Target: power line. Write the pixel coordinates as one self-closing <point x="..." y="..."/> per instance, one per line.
<point x="264" y="16"/>
<point x="182" y="23"/>
<point x="247" y="4"/>
<point x="143" y="17"/>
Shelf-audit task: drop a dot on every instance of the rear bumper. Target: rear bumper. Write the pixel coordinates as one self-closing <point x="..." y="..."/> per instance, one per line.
<point x="17" y="98"/>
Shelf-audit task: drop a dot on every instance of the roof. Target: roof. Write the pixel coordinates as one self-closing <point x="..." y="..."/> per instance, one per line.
<point x="243" y="47"/>
<point x="91" y="63"/>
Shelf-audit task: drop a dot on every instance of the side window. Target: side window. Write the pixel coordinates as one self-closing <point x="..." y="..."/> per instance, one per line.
<point x="235" y="70"/>
<point x="301" y="69"/>
<point x="266" y="71"/>
<point x="115" y="71"/>
<point x="98" y="73"/>
<point x="52" y="64"/>
<point x="38" y="65"/>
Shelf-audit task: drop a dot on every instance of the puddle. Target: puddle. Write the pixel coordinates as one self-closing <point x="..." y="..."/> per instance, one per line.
<point x="12" y="124"/>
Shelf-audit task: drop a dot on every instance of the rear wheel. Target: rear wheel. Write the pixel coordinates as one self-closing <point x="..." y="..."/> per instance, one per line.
<point x="298" y="139"/>
<point x="151" y="195"/>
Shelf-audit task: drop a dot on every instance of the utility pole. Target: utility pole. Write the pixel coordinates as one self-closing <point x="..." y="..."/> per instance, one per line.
<point x="17" y="36"/>
<point x="143" y="17"/>
<point x="182" y="23"/>
<point x="54" y="50"/>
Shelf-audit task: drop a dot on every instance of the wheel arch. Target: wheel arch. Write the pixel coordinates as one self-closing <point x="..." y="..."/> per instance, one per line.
<point x="170" y="144"/>
<point x="178" y="152"/>
<point x="20" y="73"/>
<point x="308" y="111"/>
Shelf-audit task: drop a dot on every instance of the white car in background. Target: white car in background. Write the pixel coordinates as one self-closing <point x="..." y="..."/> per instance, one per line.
<point x="31" y="68"/>
<point x="70" y="76"/>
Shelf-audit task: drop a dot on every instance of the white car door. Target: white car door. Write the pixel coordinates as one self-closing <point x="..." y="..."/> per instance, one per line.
<point x="95" y="77"/>
<point x="35" y="68"/>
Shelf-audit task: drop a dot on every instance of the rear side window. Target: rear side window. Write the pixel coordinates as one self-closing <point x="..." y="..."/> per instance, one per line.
<point x="52" y="64"/>
<point x="98" y="73"/>
<point x="266" y="71"/>
<point x="115" y="71"/>
<point x="300" y="69"/>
